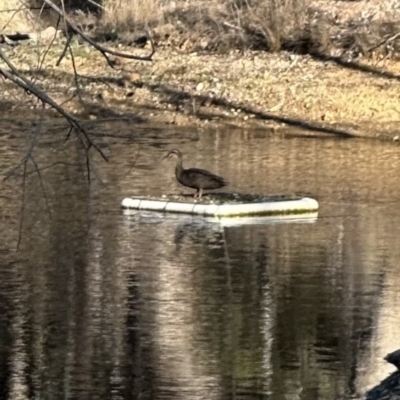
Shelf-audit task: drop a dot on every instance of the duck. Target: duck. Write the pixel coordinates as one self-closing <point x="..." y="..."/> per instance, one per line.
<point x="195" y="178"/>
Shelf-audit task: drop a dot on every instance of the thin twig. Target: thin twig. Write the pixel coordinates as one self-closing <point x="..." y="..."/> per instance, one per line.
<point x="96" y="4"/>
<point x="38" y="131"/>
<point x="67" y="101"/>
<point x="104" y="51"/>
<point x="88" y="166"/>
<point x="76" y="75"/>
<point x="64" y="52"/>
<point x="21" y="221"/>
<point x="45" y="168"/>
<point x="68" y="134"/>
<point x="50" y="44"/>
<point x="16" y="11"/>
<point x="137" y="155"/>
<point x="26" y="157"/>
<point x="229" y="25"/>
<point x="136" y="158"/>
<point x="385" y="41"/>
<point x="68" y="36"/>
<point x="41" y="184"/>
<point x="37" y="71"/>
<point x="7" y="10"/>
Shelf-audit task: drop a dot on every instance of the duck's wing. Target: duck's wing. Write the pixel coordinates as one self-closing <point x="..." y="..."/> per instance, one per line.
<point x="196" y="172"/>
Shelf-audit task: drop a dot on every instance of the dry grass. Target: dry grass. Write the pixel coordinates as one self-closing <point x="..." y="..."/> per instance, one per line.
<point x="128" y="15"/>
<point x="330" y="27"/>
<point x="327" y="27"/>
<point x="271" y="23"/>
<point x="26" y="16"/>
<point x="15" y="17"/>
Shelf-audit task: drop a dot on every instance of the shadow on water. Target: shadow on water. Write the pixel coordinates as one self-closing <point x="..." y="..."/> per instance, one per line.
<point x="104" y="304"/>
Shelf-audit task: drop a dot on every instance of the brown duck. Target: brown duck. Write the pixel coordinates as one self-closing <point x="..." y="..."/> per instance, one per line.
<point x="195" y="178"/>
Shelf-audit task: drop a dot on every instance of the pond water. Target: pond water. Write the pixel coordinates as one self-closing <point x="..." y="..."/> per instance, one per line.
<point x="101" y="304"/>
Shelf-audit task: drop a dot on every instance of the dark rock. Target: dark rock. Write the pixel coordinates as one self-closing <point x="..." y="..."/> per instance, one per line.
<point x="140" y="41"/>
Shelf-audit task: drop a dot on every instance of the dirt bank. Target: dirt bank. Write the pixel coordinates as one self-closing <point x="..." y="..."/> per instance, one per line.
<point x="326" y="67"/>
<point x="275" y="91"/>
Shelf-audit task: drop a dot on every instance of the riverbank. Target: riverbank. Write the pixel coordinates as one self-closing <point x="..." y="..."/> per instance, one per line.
<point x="327" y="68"/>
<point x="249" y="89"/>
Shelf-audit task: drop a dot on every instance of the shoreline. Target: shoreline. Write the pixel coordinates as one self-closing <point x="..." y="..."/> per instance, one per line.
<point x="277" y="92"/>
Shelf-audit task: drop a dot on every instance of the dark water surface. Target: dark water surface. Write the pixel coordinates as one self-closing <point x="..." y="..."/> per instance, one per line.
<point x="98" y="304"/>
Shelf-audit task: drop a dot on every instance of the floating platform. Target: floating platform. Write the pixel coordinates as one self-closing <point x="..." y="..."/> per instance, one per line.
<point x="224" y="205"/>
<point x="158" y="217"/>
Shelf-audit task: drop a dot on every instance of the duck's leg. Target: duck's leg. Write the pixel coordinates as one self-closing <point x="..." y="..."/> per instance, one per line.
<point x="195" y="195"/>
<point x="200" y="193"/>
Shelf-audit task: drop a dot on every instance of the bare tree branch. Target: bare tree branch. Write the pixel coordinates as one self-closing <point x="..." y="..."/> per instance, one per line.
<point x="12" y="74"/>
<point x="24" y="83"/>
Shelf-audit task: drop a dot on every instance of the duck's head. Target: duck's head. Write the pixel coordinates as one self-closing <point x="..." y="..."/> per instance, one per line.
<point x="173" y="153"/>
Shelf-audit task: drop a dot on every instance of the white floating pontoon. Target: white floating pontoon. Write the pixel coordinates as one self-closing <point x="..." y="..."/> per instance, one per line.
<point x="246" y="206"/>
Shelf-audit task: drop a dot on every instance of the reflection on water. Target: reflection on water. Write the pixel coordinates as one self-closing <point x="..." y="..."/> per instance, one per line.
<point x="102" y="304"/>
